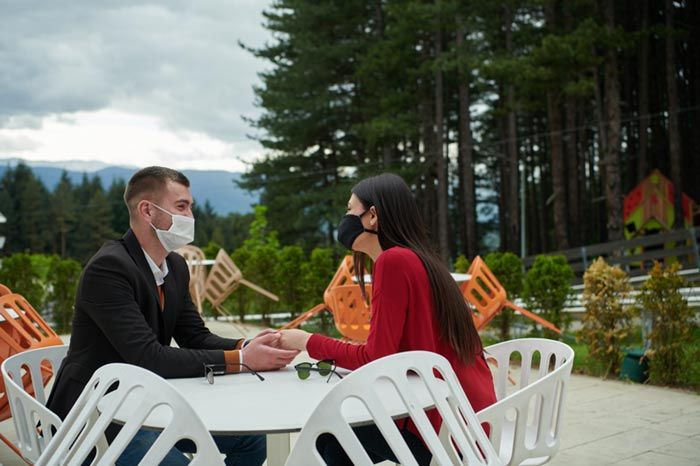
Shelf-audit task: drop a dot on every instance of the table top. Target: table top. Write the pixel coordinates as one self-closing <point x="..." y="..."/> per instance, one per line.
<point x="202" y="262"/>
<point x="11" y="312"/>
<point x="242" y="404"/>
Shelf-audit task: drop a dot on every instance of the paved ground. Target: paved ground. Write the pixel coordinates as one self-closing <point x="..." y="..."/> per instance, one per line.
<point x="606" y="422"/>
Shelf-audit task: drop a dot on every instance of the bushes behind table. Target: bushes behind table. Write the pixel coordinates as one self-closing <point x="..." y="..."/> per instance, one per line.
<point x="546" y="288"/>
<point x="672" y="325"/>
<point x="47" y="282"/>
<point x="607" y="323"/>
<point x="25" y="274"/>
<point x="64" y="275"/>
<point x="508" y="269"/>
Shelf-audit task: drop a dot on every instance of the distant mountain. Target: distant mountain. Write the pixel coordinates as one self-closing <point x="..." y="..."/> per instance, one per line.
<point x="216" y="186"/>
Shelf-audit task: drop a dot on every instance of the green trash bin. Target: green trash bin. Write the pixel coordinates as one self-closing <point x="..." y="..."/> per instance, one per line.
<point x="635" y="368"/>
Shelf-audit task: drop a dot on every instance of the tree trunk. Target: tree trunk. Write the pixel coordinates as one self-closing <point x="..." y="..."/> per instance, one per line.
<point x="428" y="178"/>
<point x="379" y="18"/>
<point x="502" y="185"/>
<point x="571" y="150"/>
<point x="466" y="160"/>
<point x="611" y="161"/>
<point x="674" y="137"/>
<point x="387" y="151"/>
<point x="440" y="160"/>
<point x="586" y="176"/>
<point x="572" y="169"/>
<point x="642" y="157"/>
<point x="511" y="162"/>
<point x="561" y="234"/>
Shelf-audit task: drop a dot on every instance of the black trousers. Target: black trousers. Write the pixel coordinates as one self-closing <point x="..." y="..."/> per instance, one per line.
<point x="376" y="447"/>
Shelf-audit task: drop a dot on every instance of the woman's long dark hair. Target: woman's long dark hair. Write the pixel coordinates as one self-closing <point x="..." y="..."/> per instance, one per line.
<point x="400" y="224"/>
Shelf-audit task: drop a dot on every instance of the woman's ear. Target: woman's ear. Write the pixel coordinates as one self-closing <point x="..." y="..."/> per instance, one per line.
<point x="373" y="216"/>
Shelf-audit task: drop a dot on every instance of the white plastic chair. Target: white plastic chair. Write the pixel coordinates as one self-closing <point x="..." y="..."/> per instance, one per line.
<point x="525" y="425"/>
<point x="29" y="411"/>
<point x="82" y="431"/>
<point x="362" y="384"/>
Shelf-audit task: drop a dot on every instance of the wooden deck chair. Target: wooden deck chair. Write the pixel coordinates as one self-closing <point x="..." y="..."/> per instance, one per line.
<point x="488" y="297"/>
<point x="21" y="329"/>
<point x="223" y="279"/>
<point x="4" y="290"/>
<point x="351" y="313"/>
<point x="343" y="276"/>
<point x="198" y="272"/>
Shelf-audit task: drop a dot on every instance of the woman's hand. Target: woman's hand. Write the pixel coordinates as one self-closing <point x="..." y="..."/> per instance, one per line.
<point x="294" y="339"/>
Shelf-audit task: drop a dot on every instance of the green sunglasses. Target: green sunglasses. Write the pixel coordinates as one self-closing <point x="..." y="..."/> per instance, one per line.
<point x="324" y="368"/>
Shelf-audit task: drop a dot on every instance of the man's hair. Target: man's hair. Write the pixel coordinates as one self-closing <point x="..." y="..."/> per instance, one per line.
<point x="148" y="182"/>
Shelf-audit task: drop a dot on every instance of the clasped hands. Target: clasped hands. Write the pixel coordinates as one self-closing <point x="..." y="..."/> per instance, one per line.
<point x="274" y="349"/>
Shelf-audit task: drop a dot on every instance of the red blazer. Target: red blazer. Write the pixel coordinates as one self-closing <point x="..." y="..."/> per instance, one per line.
<point x="403" y="319"/>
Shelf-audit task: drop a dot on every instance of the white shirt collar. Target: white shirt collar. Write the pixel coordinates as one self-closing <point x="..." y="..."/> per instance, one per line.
<point x="159" y="273"/>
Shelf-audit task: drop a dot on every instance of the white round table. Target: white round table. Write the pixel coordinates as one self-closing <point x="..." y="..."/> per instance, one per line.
<point x="282" y="403"/>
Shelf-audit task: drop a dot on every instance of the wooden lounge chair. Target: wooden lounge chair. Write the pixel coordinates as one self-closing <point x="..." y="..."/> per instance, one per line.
<point x="488" y="297"/>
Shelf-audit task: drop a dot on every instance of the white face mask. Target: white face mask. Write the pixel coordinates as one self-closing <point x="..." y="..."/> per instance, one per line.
<point x="180" y="233"/>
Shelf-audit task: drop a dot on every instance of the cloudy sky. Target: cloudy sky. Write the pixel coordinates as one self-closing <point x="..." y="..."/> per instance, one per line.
<point x="130" y="82"/>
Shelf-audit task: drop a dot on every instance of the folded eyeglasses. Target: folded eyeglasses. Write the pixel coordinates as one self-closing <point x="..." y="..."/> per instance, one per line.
<point x="210" y="370"/>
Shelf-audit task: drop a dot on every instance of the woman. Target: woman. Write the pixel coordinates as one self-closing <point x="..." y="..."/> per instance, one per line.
<point x="416" y="305"/>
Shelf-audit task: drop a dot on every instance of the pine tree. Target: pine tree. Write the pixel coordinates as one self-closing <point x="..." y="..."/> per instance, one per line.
<point x="64" y="213"/>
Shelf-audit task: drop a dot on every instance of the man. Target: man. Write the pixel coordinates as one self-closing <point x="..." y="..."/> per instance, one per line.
<point x="133" y="299"/>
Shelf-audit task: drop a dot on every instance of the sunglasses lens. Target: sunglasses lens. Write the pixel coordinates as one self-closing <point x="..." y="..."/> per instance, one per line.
<point x="324" y="367"/>
<point x="303" y="370"/>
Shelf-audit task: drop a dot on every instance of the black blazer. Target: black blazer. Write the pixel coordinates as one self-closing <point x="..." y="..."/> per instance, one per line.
<point x="118" y="319"/>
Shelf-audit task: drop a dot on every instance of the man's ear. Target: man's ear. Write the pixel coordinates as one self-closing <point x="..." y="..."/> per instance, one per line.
<point x="143" y="210"/>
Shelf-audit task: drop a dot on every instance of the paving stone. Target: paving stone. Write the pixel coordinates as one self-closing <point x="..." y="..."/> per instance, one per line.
<point x="653" y="458"/>
<point x="627" y="444"/>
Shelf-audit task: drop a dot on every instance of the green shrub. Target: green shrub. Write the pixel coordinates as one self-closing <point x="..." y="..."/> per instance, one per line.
<point x="547" y="287"/>
<point x="211" y="250"/>
<point x="607" y="322"/>
<point x="508" y="269"/>
<point x="317" y="274"/>
<point x="462" y="264"/>
<point x="241" y="296"/>
<point x="63" y="277"/>
<point x="291" y="288"/>
<point x="672" y="324"/>
<point x="23" y="275"/>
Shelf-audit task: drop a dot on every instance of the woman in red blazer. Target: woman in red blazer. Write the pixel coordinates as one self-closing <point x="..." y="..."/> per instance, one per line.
<point x="416" y="305"/>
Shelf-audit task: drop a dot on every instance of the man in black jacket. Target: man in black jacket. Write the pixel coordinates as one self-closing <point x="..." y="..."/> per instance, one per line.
<point x="133" y="299"/>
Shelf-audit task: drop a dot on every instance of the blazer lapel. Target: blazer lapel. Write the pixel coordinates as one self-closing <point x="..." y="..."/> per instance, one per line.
<point x="135" y="250"/>
<point x="171" y="301"/>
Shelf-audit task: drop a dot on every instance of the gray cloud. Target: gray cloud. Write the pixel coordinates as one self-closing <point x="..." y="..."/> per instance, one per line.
<point x="178" y="60"/>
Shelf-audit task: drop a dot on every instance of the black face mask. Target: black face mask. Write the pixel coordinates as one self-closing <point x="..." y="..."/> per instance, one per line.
<point x="350" y="228"/>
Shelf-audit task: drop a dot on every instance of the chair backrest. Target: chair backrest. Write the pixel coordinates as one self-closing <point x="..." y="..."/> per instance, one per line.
<point x="198" y="272"/>
<point x="351" y="313"/>
<point x="23" y="375"/>
<point x="484" y="292"/>
<point x="525" y="423"/>
<point x="124" y="384"/>
<point x="394" y="371"/>
<point x="192" y="255"/>
<point x="21" y="328"/>
<point x="223" y="278"/>
<point x="344" y="275"/>
<point x="4" y="290"/>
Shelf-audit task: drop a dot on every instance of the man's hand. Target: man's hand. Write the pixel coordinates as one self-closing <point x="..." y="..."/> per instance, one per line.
<point x="294" y="339"/>
<point x="263" y="353"/>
